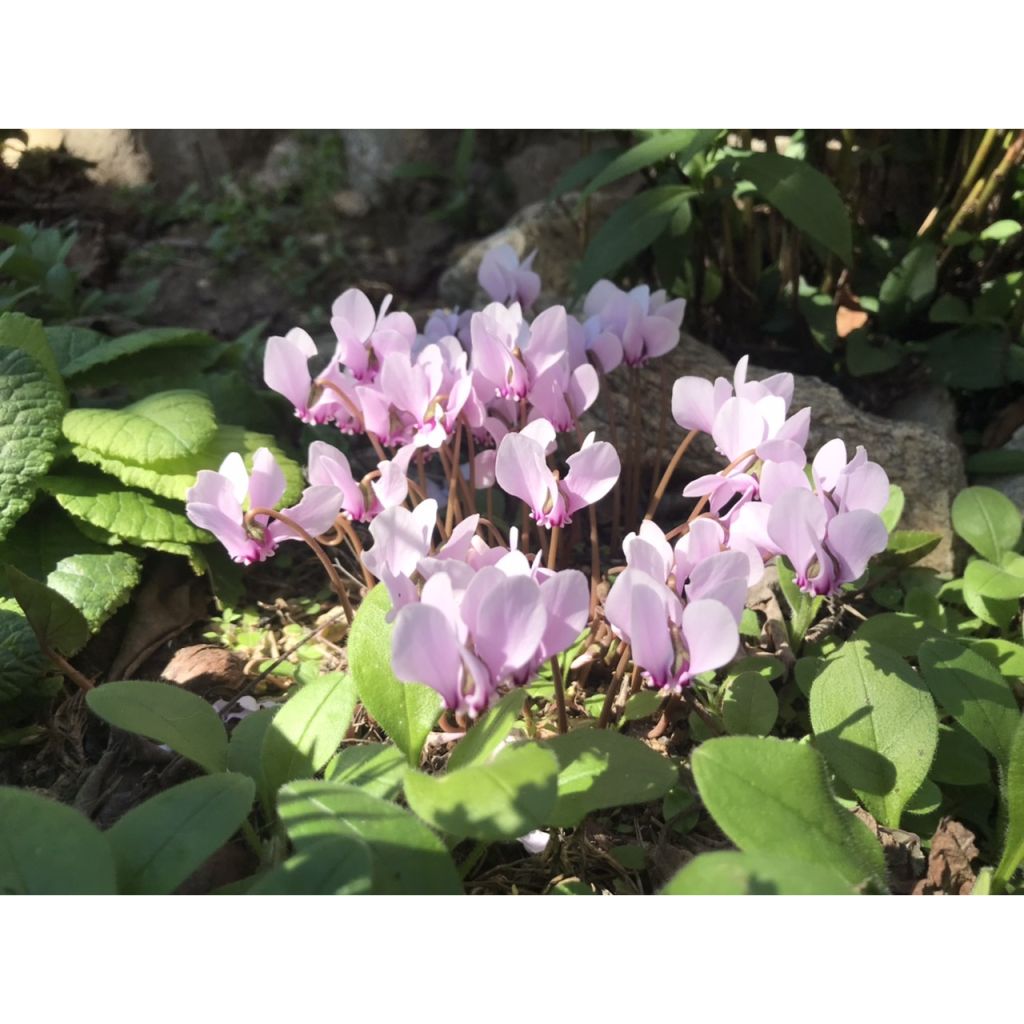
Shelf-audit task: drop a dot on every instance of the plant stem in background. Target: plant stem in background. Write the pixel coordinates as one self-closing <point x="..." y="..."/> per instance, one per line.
<point x="613" y="689"/>
<point x="556" y="675"/>
<point x="659" y="492"/>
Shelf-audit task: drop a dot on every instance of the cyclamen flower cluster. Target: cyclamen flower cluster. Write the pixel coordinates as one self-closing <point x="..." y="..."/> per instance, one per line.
<point x="478" y="401"/>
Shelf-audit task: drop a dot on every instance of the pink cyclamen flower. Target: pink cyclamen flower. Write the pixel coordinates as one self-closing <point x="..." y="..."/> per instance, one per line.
<point x="362" y="500"/>
<point x="365" y="337"/>
<point x="218" y="502"/>
<point x="286" y="371"/>
<point x="521" y="470"/>
<point x="825" y="551"/>
<point x="505" y="279"/>
<point x="400" y="539"/>
<point x="647" y="324"/>
<point x="671" y="643"/>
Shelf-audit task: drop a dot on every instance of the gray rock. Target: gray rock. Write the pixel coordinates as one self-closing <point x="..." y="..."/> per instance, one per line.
<point x="932" y="407"/>
<point x="282" y="168"/>
<point x="1012" y="486"/>
<point x="351" y="203"/>
<point x="535" y="169"/>
<point x="373" y="156"/>
<point x="550" y="228"/>
<point x="119" y="156"/>
<point x="924" y="463"/>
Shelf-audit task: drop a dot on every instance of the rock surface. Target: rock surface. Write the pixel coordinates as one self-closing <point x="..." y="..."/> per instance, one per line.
<point x="373" y="156"/>
<point x="1013" y="485"/>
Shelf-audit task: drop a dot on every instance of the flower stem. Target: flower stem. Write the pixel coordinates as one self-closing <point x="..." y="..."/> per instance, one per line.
<point x="613" y="688"/>
<point x="666" y="478"/>
<point x="553" y="548"/>
<point x="556" y="674"/>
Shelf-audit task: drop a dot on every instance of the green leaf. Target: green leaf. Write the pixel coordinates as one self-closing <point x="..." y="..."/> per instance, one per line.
<point x="406" y="711"/>
<point x="307" y="731"/>
<point x="22" y="663"/>
<point x="642" y="705"/>
<point x="168" y="425"/>
<point x="868" y="353"/>
<point x="57" y="624"/>
<point x="97" y="585"/>
<point x="803" y="608"/>
<point x="970" y="358"/>
<point x="733" y="873"/>
<point x="949" y="309"/>
<point x="408" y="859"/>
<point x="18" y="331"/>
<point x="893" y="511"/>
<point x="959" y="759"/>
<point x="162" y="712"/>
<point x="158" y="844"/>
<point x="582" y="171"/>
<point x="67" y="343"/>
<point x="504" y="798"/>
<point x="80" y="357"/>
<point x="973" y="692"/>
<point x="49" y="849"/>
<point x="599" y="769"/>
<point x="1013" y="792"/>
<point x="910" y="285"/>
<point x="987" y="520"/>
<point x="30" y="411"/>
<point x="875" y="722"/>
<point x="245" y="749"/>
<point x="803" y="196"/>
<point x="378" y="768"/>
<point x="334" y="866"/>
<point x="998" y="462"/>
<point x="128" y="516"/>
<point x="772" y="797"/>
<point x="630" y="230"/>
<point x="1007" y="656"/>
<point x="999" y="231"/>
<point x="906" y="547"/>
<point x="683" y="142"/>
<point x="173" y="478"/>
<point x="1003" y="582"/>
<point x="750" y="705"/>
<point x="487" y="734"/>
<point x="899" y="631"/>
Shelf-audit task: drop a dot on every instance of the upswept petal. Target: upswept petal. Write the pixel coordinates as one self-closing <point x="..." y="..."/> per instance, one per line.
<point x="266" y="482"/>
<point x="853" y="537"/>
<point x="315" y="512"/>
<point x="286" y="367"/>
<point x="425" y="649"/>
<point x="592" y="474"/>
<point x="710" y="634"/>
<point x="521" y="470"/>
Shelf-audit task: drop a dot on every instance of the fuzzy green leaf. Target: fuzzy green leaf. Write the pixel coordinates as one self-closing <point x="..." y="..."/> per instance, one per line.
<point x="57" y="624"/>
<point x="97" y="585"/>
<point x="734" y="873"/>
<point x="987" y="520"/>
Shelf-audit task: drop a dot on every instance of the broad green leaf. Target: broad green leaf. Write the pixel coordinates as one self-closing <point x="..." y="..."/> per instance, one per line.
<point x="772" y="797"/>
<point x="960" y="760"/>
<point x="174" y="477"/>
<point x="583" y="171"/>
<point x="1002" y="582"/>
<point x="893" y="510"/>
<point x="901" y="632"/>
<point x="245" y="748"/>
<point x="68" y="343"/>
<point x="803" y="196"/>
<point x="167" y="425"/>
<point x="57" y="624"/>
<point x="642" y="705"/>
<point x="998" y="462"/>
<point x="630" y="230"/>
<point x="306" y="732"/>
<point x="970" y="358"/>
<point x="733" y="873"/>
<point x="22" y="663"/>
<point x="97" y="585"/>
<point x="167" y="714"/>
<point x="987" y="520"/>
<point x="1007" y="656"/>
<point x="18" y="331"/>
<point x="868" y="353"/>
<point x="998" y="613"/>
<point x="973" y="692"/>
<point x="81" y="357"/>
<point x="504" y="798"/>
<point x="803" y="608"/>
<point x="683" y="143"/>
<point x="906" y="547"/>
<point x="406" y="711"/>
<point x="128" y="516"/>
<point x="876" y="724"/>
<point x="408" y="859"/>
<point x="158" y="844"/>
<point x="750" y="705"/>
<point x="1000" y="230"/>
<point x="31" y="407"/>
<point x="334" y="866"/>
<point x="805" y="671"/>
<point x="49" y="849"/>
<point x="910" y="285"/>
<point x="949" y="309"/>
<point x="488" y="733"/>
<point x="378" y="768"/>
<point x="1013" y="793"/>
<point x="599" y="768"/>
